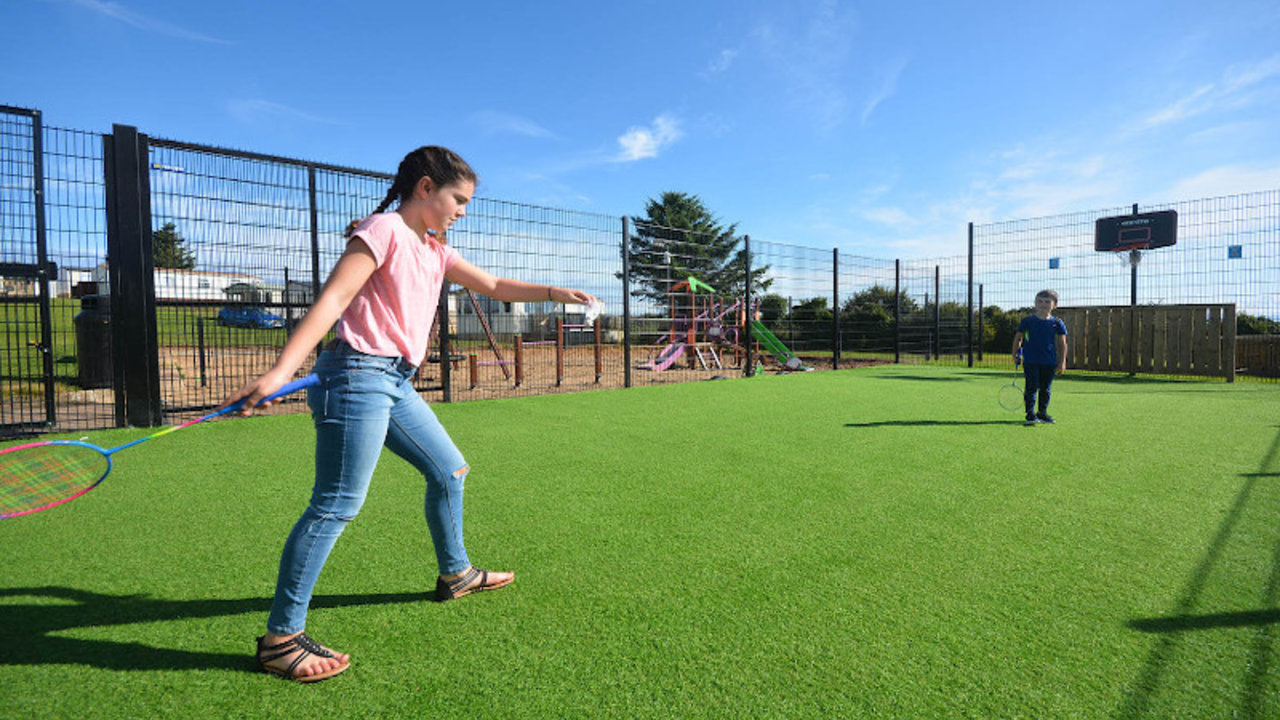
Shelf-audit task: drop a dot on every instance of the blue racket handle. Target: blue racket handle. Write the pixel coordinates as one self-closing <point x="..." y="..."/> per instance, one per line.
<point x="293" y="387"/>
<point x="287" y="389"/>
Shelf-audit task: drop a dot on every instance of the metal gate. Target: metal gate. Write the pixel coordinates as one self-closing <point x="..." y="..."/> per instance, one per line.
<point x="26" y="325"/>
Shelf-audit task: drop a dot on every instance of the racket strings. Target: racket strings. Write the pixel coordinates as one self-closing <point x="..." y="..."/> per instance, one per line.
<point x="39" y="475"/>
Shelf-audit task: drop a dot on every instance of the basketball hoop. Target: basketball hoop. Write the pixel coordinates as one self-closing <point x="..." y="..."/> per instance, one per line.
<point x="1131" y="258"/>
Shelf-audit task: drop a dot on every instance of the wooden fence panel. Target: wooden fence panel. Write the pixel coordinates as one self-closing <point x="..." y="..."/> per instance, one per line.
<point x="1186" y="336"/>
<point x="1159" y="339"/>
<point x="1160" y="343"/>
<point x="1212" y="343"/>
<point x="1146" y="337"/>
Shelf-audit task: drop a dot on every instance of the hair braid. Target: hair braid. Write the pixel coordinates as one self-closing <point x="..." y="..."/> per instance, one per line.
<point x="442" y="165"/>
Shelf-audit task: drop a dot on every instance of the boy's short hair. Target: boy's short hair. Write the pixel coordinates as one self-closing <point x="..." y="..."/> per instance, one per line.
<point x="1048" y="294"/>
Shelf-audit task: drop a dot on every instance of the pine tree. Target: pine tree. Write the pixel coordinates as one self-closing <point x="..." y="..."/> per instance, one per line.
<point x="168" y="251"/>
<point x="679" y="238"/>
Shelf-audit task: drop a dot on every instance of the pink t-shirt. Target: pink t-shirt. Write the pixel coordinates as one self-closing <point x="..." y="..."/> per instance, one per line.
<point x="392" y="314"/>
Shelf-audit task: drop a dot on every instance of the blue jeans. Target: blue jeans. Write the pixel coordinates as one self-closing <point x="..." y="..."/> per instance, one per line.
<point x="364" y="402"/>
<point x="1037" y="377"/>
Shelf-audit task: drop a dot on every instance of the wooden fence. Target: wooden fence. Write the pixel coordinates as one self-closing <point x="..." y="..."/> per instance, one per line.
<point x="1156" y="339"/>
<point x="1258" y="355"/>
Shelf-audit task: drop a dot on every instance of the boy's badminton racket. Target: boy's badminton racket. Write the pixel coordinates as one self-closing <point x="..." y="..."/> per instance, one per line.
<point x="1011" y="397"/>
<point x="42" y="475"/>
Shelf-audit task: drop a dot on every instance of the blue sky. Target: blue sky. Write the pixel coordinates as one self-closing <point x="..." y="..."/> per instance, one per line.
<point x="878" y="128"/>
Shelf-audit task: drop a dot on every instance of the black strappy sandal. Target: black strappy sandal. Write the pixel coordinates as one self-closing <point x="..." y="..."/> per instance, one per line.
<point x="302" y="642"/>
<point x="465" y="585"/>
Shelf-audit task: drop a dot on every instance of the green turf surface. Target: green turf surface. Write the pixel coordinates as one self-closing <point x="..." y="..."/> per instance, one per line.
<point x="883" y="542"/>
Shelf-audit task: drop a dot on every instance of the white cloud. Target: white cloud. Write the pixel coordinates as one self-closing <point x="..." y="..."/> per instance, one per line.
<point x="888" y="85"/>
<point x="255" y="110"/>
<point x="721" y="62"/>
<point x="496" y="123"/>
<point x="1226" y="180"/>
<point x="123" y="14"/>
<point x="1227" y="92"/>
<point x="638" y="143"/>
<point x="1246" y="75"/>
<point x="810" y="66"/>
<point x="1199" y="101"/>
<point x="891" y="216"/>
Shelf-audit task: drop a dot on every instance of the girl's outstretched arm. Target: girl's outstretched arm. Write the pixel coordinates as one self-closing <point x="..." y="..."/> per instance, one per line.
<point x="349" y="275"/>
<point x="508" y="290"/>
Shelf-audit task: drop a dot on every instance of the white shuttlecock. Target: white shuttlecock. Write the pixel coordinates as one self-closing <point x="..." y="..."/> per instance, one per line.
<point x="594" y="308"/>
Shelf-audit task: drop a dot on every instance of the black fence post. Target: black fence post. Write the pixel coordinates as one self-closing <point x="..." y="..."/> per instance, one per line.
<point x="897" y="311"/>
<point x="981" y="325"/>
<point x="835" y="315"/>
<point x="626" y="302"/>
<point x="969" y="302"/>
<point x="748" y="342"/>
<point x="131" y="268"/>
<point x="42" y="260"/>
<point x="937" y="312"/>
<point x="446" y="346"/>
<point x="315" y="233"/>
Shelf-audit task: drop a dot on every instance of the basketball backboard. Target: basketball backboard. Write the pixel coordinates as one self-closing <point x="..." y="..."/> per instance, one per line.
<point x="1140" y="231"/>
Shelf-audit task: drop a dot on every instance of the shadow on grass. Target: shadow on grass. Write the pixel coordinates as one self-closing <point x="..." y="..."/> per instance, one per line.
<point x="927" y="378"/>
<point x="1171" y="629"/>
<point x="934" y="423"/>
<point x="1180" y="623"/>
<point x="28" y="633"/>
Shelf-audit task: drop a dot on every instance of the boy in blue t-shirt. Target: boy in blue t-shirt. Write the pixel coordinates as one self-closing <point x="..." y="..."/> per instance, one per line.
<point x="1041" y="342"/>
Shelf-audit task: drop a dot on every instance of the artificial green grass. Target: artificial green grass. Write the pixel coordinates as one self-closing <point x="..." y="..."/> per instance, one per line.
<point x="882" y="542"/>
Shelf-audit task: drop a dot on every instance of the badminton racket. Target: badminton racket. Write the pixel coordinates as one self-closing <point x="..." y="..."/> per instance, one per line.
<point x="1011" y="396"/>
<point x="43" y="475"/>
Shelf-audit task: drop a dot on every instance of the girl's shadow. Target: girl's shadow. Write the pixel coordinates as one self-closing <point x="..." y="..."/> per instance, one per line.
<point x="27" y="631"/>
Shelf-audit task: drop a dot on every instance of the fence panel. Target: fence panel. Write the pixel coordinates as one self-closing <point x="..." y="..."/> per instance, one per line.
<point x="26" y="364"/>
<point x="555" y="350"/>
<point x="1227" y="252"/>
<point x="797" y="302"/>
<point x="867" y="309"/>
<point x="236" y="229"/>
<point x="1172" y="339"/>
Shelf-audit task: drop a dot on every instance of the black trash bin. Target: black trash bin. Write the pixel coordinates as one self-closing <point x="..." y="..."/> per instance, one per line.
<point x="93" y="341"/>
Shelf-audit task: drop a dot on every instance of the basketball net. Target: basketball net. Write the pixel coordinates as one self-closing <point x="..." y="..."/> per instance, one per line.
<point x="1130" y="258"/>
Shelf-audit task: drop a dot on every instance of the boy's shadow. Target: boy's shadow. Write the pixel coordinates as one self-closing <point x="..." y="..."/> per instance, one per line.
<point x="28" y="633"/>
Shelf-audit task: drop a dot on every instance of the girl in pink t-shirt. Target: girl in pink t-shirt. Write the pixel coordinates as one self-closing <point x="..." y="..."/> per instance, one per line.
<point x="383" y="293"/>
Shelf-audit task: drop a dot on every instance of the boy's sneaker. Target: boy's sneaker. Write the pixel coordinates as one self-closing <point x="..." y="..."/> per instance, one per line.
<point x="1031" y="419"/>
<point x="1044" y="418"/>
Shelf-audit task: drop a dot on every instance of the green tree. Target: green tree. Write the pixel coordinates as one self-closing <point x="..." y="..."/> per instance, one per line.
<point x="1256" y="325"/>
<point x="999" y="327"/>
<point x="773" y="311"/>
<point x="812" y="319"/>
<point x="168" y="249"/>
<point x="679" y="237"/>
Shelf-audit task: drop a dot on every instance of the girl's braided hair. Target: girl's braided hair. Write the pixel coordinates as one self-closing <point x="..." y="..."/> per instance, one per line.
<point x="442" y="165"/>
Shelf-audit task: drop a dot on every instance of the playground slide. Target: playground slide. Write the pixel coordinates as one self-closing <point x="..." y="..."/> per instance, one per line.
<point x="666" y="358"/>
<point x="784" y="356"/>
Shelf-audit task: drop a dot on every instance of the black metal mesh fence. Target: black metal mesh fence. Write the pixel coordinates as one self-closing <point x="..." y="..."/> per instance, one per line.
<point x="868" y="307"/>
<point x="536" y="347"/>
<point x="798" y="305"/>
<point x="249" y="239"/>
<point x="1227" y="251"/>
<point x="20" y="360"/>
<point x="75" y="208"/>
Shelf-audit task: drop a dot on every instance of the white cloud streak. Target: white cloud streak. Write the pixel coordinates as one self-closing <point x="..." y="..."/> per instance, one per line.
<point x="887" y="86"/>
<point x="254" y="110"/>
<point x="1236" y="80"/>
<point x="810" y="67"/>
<point x="120" y="13"/>
<point x="497" y="123"/>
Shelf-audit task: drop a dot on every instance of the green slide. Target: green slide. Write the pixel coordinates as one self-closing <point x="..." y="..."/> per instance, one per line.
<point x="784" y="356"/>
